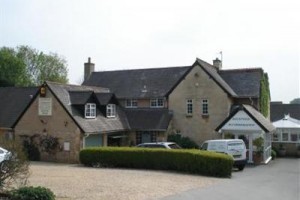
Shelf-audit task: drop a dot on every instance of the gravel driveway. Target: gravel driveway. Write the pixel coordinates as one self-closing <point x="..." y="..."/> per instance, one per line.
<point x="77" y="182"/>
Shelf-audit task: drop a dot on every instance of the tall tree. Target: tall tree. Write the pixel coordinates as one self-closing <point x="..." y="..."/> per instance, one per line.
<point x="26" y="66"/>
<point x="12" y="69"/>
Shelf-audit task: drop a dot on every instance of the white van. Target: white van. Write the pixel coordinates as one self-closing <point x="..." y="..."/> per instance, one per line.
<point x="234" y="147"/>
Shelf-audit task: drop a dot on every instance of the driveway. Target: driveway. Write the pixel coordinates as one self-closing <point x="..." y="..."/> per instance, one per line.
<point x="77" y="182"/>
<point x="277" y="181"/>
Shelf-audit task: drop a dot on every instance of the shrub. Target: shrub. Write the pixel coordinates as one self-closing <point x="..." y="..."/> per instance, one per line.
<point x="32" y="193"/>
<point x="184" y="142"/>
<point x="189" y="161"/>
<point x="14" y="171"/>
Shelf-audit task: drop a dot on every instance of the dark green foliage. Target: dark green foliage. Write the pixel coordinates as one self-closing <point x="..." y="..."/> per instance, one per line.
<point x="189" y="161"/>
<point x="32" y="193"/>
<point x="26" y="66"/>
<point x="184" y="142"/>
<point x="265" y="95"/>
<point x="273" y="154"/>
<point x="12" y="69"/>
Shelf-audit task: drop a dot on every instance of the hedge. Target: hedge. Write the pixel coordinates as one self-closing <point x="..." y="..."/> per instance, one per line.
<point x="189" y="161"/>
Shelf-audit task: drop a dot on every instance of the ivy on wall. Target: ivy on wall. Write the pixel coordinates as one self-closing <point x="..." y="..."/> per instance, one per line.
<point x="264" y="95"/>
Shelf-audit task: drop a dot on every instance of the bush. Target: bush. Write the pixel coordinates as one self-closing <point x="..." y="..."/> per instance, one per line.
<point x="32" y="193"/>
<point x="184" y="142"/>
<point x="189" y="161"/>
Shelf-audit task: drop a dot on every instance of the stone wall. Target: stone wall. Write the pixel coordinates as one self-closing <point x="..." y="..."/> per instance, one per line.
<point x="197" y="85"/>
<point x="59" y="125"/>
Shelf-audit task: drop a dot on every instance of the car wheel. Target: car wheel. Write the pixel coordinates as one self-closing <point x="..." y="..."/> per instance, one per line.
<point x="241" y="167"/>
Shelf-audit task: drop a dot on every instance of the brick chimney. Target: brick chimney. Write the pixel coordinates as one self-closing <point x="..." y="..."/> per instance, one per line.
<point x="217" y="63"/>
<point x="88" y="69"/>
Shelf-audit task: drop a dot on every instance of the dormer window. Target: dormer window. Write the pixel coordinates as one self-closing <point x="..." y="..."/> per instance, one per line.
<point x="111" y="110"/>
<point x="90" y="110"/>
<point x="131" y="103"/>
<point x="156" y="103"/>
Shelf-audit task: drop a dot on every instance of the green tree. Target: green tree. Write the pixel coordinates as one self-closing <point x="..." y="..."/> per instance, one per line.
<point x="25" y="66"/>
<point x="12" y="69"/>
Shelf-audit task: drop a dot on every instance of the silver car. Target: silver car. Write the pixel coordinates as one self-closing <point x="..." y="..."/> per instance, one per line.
<point x="165" y="145"/>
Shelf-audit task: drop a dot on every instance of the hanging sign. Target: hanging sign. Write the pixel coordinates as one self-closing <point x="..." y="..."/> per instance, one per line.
<point x="45" y="106"/>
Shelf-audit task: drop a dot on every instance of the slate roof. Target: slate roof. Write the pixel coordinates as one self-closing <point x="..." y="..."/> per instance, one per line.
<point x="213" y="72"/>
<point x="244" y="82"/>
<point x="98" y="125"/>
<point x="259" y="119"/>
<point x="13" y="102"/>
<point x="139" y="83"/>
<point x="278" y="111"/>
<point x="159" y="82"/>
<point x="148" y="119"/>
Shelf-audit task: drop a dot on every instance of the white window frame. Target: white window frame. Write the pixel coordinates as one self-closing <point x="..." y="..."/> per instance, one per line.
<point x="90" y="111"/>
<point x="204" y="107"/>
<point x="189" y="107"/>
<point x="157" y="103"/>
<point x="111" y="110"/>
<point x="131" y="103"/>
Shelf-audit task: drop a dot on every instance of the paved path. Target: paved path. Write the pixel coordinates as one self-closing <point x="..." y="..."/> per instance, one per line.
<point x="279" y="180"/>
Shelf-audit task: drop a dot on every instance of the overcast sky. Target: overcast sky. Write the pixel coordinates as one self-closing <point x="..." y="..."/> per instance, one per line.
<point x="129" y="34"/>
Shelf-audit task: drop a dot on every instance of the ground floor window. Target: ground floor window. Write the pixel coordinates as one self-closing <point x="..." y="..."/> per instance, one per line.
<point x="146" y="136"/>
<point x="286" y="136"/>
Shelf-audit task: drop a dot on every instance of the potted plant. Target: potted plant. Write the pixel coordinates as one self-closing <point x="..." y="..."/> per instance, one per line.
<point x="259" y="150"/>
<point x="281" y="150"/>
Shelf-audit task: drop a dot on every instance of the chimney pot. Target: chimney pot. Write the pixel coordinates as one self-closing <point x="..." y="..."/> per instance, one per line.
<point x="217" y="63"/>
<point x="88" y="69"/>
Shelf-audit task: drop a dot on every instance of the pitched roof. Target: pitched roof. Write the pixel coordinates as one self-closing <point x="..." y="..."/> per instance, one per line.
<point x="244" y="82"/>
<point x="148" y="119"/>
<point x="213" y="72"/>
<point x="98" y="125"/>
<point x="13" y="102"/>
<point x="159" y="82"/>
<point x="278" y="111"/>
<point x="139" y="83"/>
<point x="287" y="122"/>
<point x="256" y="116"/>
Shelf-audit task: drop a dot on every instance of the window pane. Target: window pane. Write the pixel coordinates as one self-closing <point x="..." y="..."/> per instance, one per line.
<point x="285" y="137"/>
<point x="189" y="108"/>
<point x="275" y="137"/>
<point x="205" y="107"/>
<point x="294" y="137"/>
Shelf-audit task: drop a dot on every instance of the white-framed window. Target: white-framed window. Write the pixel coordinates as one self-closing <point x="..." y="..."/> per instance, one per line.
<point x="156" y="103"/>
<point x="285" y="137"/>
<point x="189" y="106"/>
<point x="90" y="110"/>
<point x="131" y="103"/>
<point x="275" y="136"/>
<point x="204" y="105"/>
<point x="111" y="110"/>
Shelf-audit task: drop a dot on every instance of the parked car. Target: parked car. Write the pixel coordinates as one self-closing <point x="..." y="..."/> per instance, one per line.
<point x="234" y="147"/>
<point x="5" y="156"/>
<point x="165" y="145"/>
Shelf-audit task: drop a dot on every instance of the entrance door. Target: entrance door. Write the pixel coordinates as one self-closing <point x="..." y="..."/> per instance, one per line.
<point x="146" y="137"/>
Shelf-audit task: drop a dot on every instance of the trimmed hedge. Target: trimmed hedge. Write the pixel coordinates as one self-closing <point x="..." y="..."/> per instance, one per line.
<point x="190" y="161"/>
